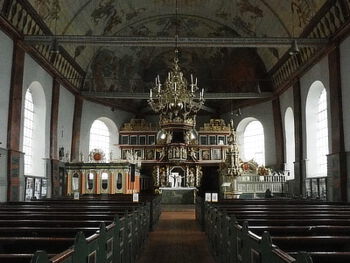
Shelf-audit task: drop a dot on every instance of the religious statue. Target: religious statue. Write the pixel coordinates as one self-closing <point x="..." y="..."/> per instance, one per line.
<point x="162" y="176"/>
<point x="191" y="177"/>
<point x="193" y="154"/>
<point x="199" y="176"/>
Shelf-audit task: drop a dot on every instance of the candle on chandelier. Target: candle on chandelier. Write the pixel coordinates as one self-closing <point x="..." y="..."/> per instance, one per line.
<point x="150" y="93"/>
<point x="191" y="79"/>
<point x="175" y="86"/>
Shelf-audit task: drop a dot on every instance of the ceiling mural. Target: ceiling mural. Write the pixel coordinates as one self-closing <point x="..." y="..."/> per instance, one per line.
<point x="133" y="68"/>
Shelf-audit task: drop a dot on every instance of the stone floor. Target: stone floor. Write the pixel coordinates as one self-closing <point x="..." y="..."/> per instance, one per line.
<point x="177" y="238"/>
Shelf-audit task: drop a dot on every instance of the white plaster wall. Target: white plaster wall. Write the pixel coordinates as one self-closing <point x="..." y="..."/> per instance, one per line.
<point x="34" y="73"/>
<point x="263" y="113"/>
<point x="287" y="101"/>
<point x="6" y="52"/>
<point x="345" y="83"/>
<point x="65" y="119"/>
<point x="92" y="111"/>
<point x="318" y="72"/>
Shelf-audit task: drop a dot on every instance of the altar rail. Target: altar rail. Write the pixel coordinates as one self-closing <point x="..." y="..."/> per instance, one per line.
<point x="259" y="184"/>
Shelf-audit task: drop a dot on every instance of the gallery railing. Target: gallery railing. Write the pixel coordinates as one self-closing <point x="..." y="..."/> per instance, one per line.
<point x="330" y="20"/>
<point x="21" y="15"/>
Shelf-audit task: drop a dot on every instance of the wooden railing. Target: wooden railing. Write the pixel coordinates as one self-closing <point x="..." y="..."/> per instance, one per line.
<point x="22" y="16"/>
<point x="232" y="242"/>
<point x="121" y="241"/>
<point x="259" y="184"/>
<point x="328" y="21"/>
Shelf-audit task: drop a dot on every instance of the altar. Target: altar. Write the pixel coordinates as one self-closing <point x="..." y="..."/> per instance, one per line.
<point x="178" y="195"/>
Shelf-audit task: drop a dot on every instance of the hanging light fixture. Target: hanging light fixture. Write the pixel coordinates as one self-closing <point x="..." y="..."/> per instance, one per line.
<point x="54" y="47"/>
<point x="177" y="100"/>
<point x="294" y="49"/>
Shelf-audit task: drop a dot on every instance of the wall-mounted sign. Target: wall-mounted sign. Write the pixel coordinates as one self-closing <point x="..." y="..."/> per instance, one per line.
<point x="135" y="197"/>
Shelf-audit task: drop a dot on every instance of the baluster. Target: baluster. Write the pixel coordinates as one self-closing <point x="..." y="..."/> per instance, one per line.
<point x="24" y="22"/>
<point x="19" y="17"/>
<point x="13" y="12"/>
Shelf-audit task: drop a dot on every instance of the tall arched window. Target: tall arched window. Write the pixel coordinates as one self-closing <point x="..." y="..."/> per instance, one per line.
<point x="28" y="133"/>
<point x="322" y="134"/>
<point x="317" y="130"/>
<point x="290" y="142"/>
<point x="100" y="137"/>
<point x="253" y="142"/>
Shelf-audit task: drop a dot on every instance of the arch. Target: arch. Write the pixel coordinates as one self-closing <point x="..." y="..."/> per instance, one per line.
<point x="104" y="135"/>
<point x="34" y="124"/>
<point x="316" y="124"/>
<point x="251" y="139"/>
<point x="289" y="142"/>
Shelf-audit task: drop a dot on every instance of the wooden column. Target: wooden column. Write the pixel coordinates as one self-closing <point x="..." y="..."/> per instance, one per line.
<point x="299" y="186"/>
<point x="337" y="167"/>
<point x="279" y="145"/>
<point x="14" y="124"/>
<point x="55" y="181"/>
<point x="78" y="107"/>
<point x="54" y="119"/>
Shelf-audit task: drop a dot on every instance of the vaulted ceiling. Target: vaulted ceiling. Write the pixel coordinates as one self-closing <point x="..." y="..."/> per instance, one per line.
<point x="133" y="69"/>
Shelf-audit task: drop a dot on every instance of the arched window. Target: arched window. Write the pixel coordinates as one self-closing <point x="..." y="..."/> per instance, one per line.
<point x="28" y="133"/>
<point x="322" y="134"/>
<point x="290" y="142"/>
<point x="100" y="137"/>
<point x="253" y="142"/>
<point x="317" y="130"/>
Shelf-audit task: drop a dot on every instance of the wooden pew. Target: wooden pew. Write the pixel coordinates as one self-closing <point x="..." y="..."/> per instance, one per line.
<point x="322" y="229"/>
<point x="52" y="221"/>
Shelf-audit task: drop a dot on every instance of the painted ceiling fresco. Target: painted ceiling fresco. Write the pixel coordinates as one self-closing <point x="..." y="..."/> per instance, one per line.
<point x="133" y="68"/>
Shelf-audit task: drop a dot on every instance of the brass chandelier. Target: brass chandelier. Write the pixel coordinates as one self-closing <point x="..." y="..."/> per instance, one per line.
<point x="177" y="101"/>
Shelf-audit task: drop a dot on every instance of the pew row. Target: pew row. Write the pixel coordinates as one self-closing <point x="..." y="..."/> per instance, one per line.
<point x="320" y="229"/>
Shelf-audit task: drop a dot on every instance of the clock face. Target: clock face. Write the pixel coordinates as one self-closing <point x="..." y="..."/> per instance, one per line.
<point x="97" y="156"/>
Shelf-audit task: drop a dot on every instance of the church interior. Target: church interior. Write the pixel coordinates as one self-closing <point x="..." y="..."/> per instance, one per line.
<point x="174" y="131"/>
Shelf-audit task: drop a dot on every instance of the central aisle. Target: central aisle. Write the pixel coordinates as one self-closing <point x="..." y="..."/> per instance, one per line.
<point x="177" y="238"/>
